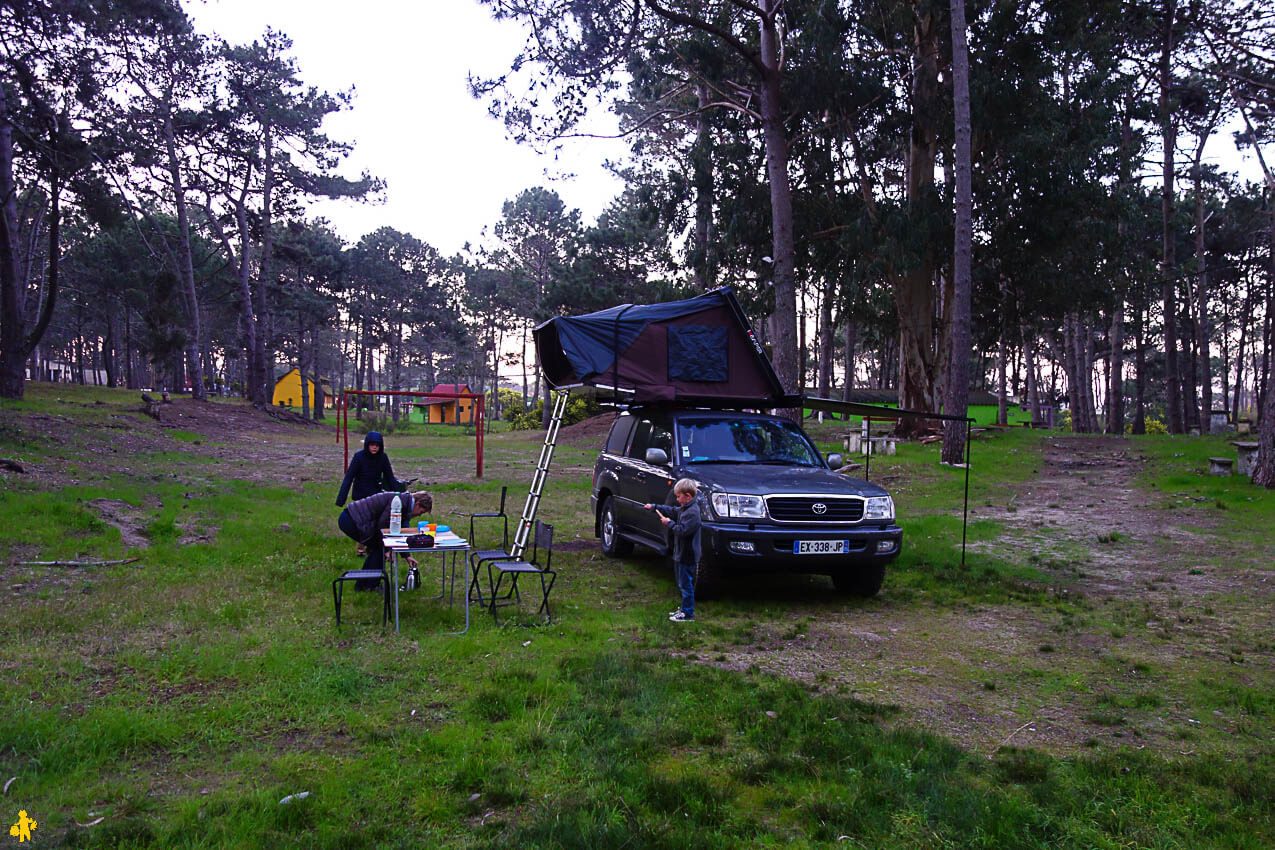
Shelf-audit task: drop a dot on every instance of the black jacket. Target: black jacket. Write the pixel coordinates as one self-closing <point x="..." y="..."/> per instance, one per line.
<point x="369" y="473"/>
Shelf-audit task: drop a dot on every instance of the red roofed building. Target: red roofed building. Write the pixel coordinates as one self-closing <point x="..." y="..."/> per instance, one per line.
<point x="449" y="411"/>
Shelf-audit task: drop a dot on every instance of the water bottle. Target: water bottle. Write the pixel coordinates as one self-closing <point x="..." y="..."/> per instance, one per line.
<point x="396" y="516"/>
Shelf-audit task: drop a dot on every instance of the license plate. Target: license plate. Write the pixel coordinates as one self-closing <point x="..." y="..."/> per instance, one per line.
<point x="820" y="547"/>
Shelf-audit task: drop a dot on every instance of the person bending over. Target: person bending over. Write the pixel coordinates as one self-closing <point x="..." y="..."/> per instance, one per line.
<point x="362" y="521"/>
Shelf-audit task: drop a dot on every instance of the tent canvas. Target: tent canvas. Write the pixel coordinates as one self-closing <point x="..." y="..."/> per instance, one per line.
<point x="699" y="350"/>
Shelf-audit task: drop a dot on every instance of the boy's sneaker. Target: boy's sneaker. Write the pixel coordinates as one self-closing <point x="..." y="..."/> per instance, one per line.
<point x="680" y="617"/>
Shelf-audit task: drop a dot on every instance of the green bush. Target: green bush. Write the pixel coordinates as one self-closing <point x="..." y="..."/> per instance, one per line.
<point x="578" y="409"/>
<point x="1153" y="426"/>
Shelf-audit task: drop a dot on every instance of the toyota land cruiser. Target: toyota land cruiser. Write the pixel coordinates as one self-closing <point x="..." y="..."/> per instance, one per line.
<point x="768" y="499"/>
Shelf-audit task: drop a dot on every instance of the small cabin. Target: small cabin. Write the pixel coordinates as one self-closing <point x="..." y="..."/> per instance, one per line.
<point x="287" y="390"/>
<point x="449" y="411"/>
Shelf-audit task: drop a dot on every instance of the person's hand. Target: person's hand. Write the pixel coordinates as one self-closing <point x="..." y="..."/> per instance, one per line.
<point x="411" y="561"/>
<point x="665" y="519"/>
<point x="648" y="506"/>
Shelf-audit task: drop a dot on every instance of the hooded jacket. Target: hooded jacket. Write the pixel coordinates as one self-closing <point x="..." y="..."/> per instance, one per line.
<point x="368" y="473"/>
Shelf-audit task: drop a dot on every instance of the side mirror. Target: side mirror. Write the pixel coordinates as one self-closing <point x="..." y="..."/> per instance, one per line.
<point x="835" y="461"/>
<point x="656" y="457"/>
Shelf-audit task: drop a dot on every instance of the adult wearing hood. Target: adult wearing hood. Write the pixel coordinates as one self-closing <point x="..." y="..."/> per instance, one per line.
<point x="363" y="520"/>
<point x="370" y="471"/>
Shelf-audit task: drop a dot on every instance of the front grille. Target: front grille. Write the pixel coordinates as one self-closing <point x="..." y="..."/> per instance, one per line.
<point x="803" y="509"/>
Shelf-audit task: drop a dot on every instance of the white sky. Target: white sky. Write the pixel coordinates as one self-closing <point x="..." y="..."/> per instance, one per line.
<point x="446" y="162"/>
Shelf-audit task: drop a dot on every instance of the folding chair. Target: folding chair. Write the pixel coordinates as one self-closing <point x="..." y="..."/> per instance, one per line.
<point x="382" y="582"/>
<point x="478" y="556"/>
<point x="542" y="545"/>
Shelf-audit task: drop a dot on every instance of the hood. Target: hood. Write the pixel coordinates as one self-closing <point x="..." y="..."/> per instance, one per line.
<point x="762" y="479"/>
<point x="374" y="437"/>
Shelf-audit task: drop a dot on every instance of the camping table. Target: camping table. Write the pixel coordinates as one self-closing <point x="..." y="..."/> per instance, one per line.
<point x="444" y="544"/>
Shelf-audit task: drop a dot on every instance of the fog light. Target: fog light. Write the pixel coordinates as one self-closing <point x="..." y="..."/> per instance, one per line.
<point x="884" y="546"/>
<point x="742" y="546"/>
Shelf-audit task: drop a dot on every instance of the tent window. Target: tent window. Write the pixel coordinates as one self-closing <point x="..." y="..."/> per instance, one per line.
<point x="697" y="353"/>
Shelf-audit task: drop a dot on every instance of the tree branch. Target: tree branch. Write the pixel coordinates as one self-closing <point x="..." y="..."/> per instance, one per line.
<point x="749" y="56"/>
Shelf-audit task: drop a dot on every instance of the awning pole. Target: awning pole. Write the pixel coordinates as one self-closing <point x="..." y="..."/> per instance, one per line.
<point x="965" y="517"/>
<point x="867" y="448"/>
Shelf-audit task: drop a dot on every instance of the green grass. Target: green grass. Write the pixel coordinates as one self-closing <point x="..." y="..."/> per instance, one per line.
<point x="180" y="698"/>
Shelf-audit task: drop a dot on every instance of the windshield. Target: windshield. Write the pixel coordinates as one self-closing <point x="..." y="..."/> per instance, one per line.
<point x="744" y="441"/>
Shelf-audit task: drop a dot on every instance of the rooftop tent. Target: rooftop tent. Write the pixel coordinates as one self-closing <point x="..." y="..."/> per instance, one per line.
<point x="697" y="351"/>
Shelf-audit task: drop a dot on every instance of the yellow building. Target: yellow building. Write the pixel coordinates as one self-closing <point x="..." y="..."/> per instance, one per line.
<point x="287" y="390"/>
<point x="444" y="411"/>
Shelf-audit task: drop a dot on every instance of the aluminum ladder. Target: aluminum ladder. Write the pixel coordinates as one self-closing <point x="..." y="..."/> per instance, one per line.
<point x="532" y="506"/>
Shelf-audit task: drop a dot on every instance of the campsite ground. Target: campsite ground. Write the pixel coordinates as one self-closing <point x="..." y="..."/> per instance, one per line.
<point x="1099" y="672"/>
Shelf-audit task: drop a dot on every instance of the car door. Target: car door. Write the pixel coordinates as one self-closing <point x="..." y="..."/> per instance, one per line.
<point x="653" y="482"/>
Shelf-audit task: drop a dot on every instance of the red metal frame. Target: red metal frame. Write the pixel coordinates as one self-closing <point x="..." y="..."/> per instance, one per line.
<point x="477" y="397"/>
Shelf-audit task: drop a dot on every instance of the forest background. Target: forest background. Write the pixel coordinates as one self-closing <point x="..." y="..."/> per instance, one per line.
<point x="915" y="197"/>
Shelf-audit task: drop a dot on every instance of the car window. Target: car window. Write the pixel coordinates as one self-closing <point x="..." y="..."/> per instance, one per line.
<point x="651" y="433"/>
<point x="619" y="434"/>
<point x="641" y="438"/>
<point x="744" y="441"/>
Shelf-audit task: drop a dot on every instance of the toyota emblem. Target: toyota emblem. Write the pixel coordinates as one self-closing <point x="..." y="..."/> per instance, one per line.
<point x="819" y="508"/>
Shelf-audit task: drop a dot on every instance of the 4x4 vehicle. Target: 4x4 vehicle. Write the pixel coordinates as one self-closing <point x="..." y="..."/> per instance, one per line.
<point x="768" y="499"/>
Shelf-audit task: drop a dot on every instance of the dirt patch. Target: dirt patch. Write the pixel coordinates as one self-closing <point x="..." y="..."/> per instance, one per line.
<point x="129" y="521"/>
<point x="587" y="433"/>
<point x="1140" y="623"/>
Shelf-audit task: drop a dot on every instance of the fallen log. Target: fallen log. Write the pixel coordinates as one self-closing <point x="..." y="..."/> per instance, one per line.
<point x="76" y="563"/>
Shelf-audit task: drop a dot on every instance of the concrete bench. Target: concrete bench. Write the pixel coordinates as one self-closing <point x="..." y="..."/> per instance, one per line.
<point x="1220" y="466"/>
<point x="881" y="446"/>
<point x="1247" y="454"/>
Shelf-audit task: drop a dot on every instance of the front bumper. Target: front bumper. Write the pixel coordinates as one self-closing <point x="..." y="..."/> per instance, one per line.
<point x="773" y="547"/>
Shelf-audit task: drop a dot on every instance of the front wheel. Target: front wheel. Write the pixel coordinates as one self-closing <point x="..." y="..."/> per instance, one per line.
<point x="708" y="579"/>
<point x="863" y="581"/>
<point x="613" y="545"/>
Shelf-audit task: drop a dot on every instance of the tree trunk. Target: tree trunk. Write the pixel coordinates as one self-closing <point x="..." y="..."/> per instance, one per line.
<point x="1002" y="382"/>
<point x="12" y="314"/>
<point x="1115" y="377"/>
<point x="264" y="363"/>
<point x="1071" y="368"/>
<point x="1168" y="262"/>
<point x="1033" y="390"/>
<point x="827" y="335"/>
<point x="956" y="399"/>
<point x="1264" y="468"/>
<point x="914" y="289"/>
<point x="784" y="341"/>
<point x="701" y="256"/>
<point x="1140" y="379"/>
<point x="1202" y="306"/>
<point x="852" y="331"/>
<point x="186" y="263"/>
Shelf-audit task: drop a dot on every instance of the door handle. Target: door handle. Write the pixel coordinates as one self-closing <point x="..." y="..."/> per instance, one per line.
<point x="640" y="476"/>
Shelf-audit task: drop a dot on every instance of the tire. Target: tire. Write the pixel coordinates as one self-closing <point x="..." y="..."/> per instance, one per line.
<point x="613" y="545"/>
<point x="860" y="581"/>
<point x="708" y="579"/>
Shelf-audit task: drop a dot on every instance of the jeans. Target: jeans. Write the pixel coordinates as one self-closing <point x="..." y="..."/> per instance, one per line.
<point x="685" y="575"/>
<point x="375" y="559"/>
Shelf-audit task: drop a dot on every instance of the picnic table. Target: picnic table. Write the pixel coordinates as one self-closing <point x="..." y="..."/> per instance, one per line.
<point x="1246" y="451"/>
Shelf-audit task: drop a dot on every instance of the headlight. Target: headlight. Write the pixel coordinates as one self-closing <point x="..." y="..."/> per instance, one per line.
<point x="735" y="505"/>
<point x="879" y="507"/>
